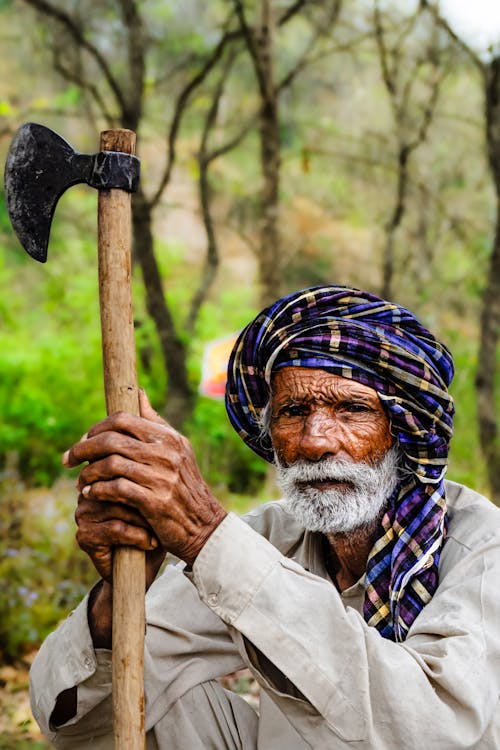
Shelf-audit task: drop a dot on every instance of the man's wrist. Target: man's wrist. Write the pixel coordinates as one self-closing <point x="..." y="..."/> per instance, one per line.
<point x="100" y="614"/>
<point x="190" y="556"/>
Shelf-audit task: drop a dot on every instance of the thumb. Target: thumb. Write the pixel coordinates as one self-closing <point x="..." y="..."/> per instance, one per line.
<point x="146" y="410"/>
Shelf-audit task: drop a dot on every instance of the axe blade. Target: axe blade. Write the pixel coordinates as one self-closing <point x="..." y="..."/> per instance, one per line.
<point x="40" y="166"/>
<point x="37" y="170"/>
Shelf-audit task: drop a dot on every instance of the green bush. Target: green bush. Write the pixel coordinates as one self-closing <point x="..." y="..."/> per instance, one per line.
<point x="48" y="397"/>
<point x="43" y="572"/>
<point x="225" y="461"/>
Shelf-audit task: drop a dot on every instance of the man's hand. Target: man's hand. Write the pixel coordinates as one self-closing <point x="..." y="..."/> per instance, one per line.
<point x="102" y="526"/>
<point x="141" y="487"/>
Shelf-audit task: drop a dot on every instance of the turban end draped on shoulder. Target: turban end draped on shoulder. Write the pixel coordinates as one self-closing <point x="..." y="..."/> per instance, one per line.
<point x="357" y="335"/>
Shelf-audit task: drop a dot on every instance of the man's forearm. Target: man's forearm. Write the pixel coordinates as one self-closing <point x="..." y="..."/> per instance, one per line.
<point x="99" y="615"/>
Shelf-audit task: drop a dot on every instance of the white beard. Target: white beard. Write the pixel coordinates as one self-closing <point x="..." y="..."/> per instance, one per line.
<point x="342" y="510"/>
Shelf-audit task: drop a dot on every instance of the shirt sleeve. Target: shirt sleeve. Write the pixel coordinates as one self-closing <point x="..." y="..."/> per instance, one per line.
<point x="66" y="659"/>
<point x="336" y="679"/>
<point x="186" y="644"/>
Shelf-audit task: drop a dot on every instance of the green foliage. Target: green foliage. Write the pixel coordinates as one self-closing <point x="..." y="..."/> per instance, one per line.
<point x="15" y="743"/>
<point x="466" y="462"/>
<point x="49" y="364"/>
<point x="70" y="97"/>
<point x="224" y="459"/>
<point x="43" y="409"/>
<point x="4" y="217"/>
<point x="43" y="574"/>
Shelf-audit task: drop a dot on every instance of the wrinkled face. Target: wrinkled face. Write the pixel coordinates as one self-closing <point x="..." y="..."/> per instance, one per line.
<point x="316" y="415"/>
<point x="335" y="462"/>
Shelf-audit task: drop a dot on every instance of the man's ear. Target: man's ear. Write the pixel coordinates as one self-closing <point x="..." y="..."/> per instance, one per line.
<point x="265" y="417"/>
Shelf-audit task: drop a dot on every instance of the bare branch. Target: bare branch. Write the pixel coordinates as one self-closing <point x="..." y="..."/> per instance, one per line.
<point x="428" y="111"/>
<point x="407" y="90"/>
<point x="292" y="11"/>
<point x="181" y="104"/>
<point x="305" y="61"/>
<point x="251" y="43"/>
<point x="86" y="86"/>
<point x="406" y="28"/>
<point x="233" y="142"/>
<point x="388" y="75"/>
<point x="249" y="241"/>
<point x="443" y="23"/>
<point x="300" y="64"/>
<point x="50" y="11"/>
<point x="462" y="228"/>
<point x="132" y="20"/>
<point x="212" y="256"/>
<point x="400" y="92"/>
<point x="177" y="67"/>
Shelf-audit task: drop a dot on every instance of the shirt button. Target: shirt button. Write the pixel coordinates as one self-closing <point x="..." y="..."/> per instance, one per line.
<point x="212" y="599"/>
<point x="88" y="663"/>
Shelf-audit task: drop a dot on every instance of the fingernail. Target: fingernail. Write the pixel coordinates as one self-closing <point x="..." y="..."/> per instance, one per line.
<point x="86" y="490"/>
<point x="154" y="542"/>
<point x="65" y="458"/>
<point x="84" y="437"/>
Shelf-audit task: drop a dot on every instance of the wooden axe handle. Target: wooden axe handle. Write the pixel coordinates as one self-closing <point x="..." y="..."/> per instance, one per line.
<point x="120" y="385"/>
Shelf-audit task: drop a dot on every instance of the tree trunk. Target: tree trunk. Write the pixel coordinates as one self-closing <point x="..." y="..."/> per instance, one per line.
<point x="487" y="367"/>
<point x="394" y="223"/>
<point x="270" y="260"/>
<point x="270" y="265"/>
<point x="180" y="402"/>
<point x="490" y="314"/>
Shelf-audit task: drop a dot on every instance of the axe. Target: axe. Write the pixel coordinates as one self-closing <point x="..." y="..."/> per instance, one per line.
<point x="40" y="166"/>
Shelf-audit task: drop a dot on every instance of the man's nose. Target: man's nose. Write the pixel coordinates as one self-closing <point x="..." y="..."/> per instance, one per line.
<point x="320" y="437"/>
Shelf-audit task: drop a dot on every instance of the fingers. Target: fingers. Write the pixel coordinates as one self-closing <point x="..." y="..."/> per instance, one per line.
<point x="121" y="433"/>
<point x="103" y="526"/>
<point x="109" y="524"/>
<point x="119" y="490"/>
<point x="114" y="533"/>
<point x="91" y="449"/>
<point x="113" y="441"/>
<point x="93" y="513"/>
<point x="115" y="466"/>
<point x="146" y="410"/>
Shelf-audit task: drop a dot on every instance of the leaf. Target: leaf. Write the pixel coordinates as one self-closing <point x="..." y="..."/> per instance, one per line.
<point x="6" y="108"/>
<point x="70" y="97"/>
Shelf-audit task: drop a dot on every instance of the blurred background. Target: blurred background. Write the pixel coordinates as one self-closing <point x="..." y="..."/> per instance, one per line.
<point x="283" y="143"/>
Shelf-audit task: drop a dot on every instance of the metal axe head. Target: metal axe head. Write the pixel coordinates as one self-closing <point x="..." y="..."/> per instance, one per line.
<point x="40" y="166"/>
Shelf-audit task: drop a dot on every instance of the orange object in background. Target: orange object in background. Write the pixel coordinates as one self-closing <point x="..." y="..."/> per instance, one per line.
<point x="214" y="366"/>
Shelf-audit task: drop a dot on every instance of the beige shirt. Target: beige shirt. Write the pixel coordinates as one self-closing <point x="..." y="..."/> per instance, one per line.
<point x="264" y="600"/>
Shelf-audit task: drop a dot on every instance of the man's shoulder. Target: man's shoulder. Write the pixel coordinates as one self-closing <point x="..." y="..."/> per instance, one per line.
<point x="474" y="525"/>
<point x="272" y="521"/>
<point x="472" y="517"/>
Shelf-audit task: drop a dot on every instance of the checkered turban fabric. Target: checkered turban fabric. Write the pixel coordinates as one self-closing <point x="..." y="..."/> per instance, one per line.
<point x="357" y="335"/>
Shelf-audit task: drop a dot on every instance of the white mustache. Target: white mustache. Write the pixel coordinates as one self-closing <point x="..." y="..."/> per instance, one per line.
<point x="334" y="469"/>
<point x="338" y="509"/>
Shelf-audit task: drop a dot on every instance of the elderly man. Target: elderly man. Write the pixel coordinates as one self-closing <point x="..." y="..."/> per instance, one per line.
<point x="365" y="603"/>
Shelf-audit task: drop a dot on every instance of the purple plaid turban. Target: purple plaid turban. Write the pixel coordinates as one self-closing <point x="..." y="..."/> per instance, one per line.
<point x="359" y="336"/>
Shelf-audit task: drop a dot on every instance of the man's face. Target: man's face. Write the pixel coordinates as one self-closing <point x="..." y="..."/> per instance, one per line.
<point x="332" y="441"/>
<point x="316" y="414"/>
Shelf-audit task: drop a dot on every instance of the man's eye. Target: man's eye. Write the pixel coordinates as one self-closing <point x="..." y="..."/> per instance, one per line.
<point x="355" y="407"/>
<point x="292" y="410"/>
